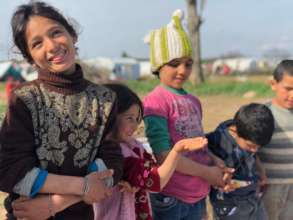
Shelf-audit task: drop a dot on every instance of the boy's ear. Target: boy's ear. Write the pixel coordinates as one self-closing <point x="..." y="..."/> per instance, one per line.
<point x="273" y="83"/>
<point x="233" y="128"/>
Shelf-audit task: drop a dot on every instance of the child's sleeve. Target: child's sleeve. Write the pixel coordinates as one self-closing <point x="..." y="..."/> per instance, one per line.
<point x="156" y="130"/>
<point x="110" y="153"/>
<point x="142" y="173"/>
<point x="18" y="159"/>
<point x="156" y="123"/>
<point x="214" y="144"/>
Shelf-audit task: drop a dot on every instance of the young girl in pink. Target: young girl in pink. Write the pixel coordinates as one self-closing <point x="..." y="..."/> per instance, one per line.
<point x="140" y="169"/>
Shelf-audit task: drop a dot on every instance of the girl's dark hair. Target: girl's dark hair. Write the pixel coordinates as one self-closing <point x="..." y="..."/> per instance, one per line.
<point x="125" y="98"/>
<point x="21" y="17"/>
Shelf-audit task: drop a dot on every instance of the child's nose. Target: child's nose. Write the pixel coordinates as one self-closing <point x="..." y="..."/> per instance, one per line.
<point x="51" y="45"/>
<point x="291" y="93"/>
<point x="181" y="69"/>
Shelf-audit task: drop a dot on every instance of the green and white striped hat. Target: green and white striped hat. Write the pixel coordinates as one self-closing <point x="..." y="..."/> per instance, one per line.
<point x="168" y="42"/>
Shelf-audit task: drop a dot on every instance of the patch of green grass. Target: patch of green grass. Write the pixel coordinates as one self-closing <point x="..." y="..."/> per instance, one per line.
<point x="2" y="87"/>
<point x="142" y="87"/>
<point x="227" y="86"/>
<point x="2" y="111"/>
<point x="230" y="88"/>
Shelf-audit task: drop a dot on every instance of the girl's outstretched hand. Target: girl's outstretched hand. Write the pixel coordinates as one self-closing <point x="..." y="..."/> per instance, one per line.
<point x="190" y="144"/>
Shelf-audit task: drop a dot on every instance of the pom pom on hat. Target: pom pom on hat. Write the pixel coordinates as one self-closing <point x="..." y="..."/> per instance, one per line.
<point x="168" y="42"/>
<point x="178" y="13"/>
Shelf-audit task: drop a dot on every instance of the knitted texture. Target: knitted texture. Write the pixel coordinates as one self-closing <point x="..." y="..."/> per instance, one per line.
<point x="168" y="42"/>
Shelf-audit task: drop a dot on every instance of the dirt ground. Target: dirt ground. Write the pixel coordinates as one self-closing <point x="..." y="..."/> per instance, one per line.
<point x="220" y="108"/>
<point x="215" y="110"/>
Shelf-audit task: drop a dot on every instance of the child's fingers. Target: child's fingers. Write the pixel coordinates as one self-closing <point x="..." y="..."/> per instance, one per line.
<point x="108" y="192"/>
<point x="21" y="198"/>
<point x="226" y="177"/>
<point x="228" y="188"/>
<point x="198" y="143"/>
<point x="135" y="189"/>
<point x="105" y="174"/>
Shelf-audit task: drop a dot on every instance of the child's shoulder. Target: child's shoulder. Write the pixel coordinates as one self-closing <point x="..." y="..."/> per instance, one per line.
<point x="100" y="91"/>
<point x="157" y="96"/>
<point x="194" y="98"/>
<point x="128" y="148"/>
<point x="26" y="89"/>
<point x="155" y="93"/>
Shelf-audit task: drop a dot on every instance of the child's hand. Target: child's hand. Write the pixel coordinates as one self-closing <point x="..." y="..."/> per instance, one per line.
<point x="190" y="144"/>
<point x="219" y="177"/>
<point x="126" y="187"/>
<point x="262" y="183"/>
<point x="32" y="209"/>
<point x="96" y="187"/>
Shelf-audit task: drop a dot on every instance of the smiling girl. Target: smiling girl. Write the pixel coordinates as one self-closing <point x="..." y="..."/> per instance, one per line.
<point x="51" y="135"/>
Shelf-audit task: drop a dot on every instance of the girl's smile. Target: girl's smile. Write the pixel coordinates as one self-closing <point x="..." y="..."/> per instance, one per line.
<point x="50" y="45"/>
<point x="128" y="122"/>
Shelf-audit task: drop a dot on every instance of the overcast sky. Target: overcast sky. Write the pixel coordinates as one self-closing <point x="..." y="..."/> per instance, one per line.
<point x="109" y="27"/>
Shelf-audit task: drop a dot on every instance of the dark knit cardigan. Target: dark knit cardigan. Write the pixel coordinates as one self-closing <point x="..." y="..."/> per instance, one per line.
<point x="56" y="123"/>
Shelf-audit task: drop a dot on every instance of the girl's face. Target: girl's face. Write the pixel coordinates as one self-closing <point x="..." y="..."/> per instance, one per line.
<point x="128" y="122"/>
<point x="176" y="72"/>
<point x="50" y="45"/>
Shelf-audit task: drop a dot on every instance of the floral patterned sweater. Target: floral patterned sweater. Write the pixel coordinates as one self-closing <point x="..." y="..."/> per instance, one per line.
<point x="54" y="123"/>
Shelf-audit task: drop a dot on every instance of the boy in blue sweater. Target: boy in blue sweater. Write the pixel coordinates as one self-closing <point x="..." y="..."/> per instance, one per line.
<point x="236" y="142"/>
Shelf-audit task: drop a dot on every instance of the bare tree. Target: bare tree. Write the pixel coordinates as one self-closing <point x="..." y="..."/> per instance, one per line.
<point x="194" y="21"/>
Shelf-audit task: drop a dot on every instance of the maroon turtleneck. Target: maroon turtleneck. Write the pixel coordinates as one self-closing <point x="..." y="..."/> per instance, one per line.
<point x="64" y="83"/>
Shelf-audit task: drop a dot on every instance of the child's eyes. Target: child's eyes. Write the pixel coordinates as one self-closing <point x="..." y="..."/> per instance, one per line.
<point x="132" y="119"/>
<point x="176" y="64"/>
<point x="188" y="65"/>
<point x="36" y="44"/>
<point x="288" y="89"/>
<point x="173" y="64"/>
<point x="56" y="33"/>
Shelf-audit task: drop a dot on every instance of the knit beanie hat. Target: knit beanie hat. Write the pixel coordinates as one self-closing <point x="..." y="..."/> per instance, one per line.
<point x="168" y="42"/>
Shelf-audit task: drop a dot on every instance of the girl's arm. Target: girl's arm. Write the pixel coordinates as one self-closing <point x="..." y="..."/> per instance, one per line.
<point x="212" y="174"/>
<point x="167" y="168"/>
<point x="43" y="206"/>
<point x="92" y="187"/>
<point x="158" y="136"/>
<point x="144" y="172"/>
<point x="216" y="160"/>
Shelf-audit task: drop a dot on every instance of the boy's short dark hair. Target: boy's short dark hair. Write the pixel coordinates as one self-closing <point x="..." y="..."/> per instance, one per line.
<point x="255" y="122"/>
<point x="285" y="66"/>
